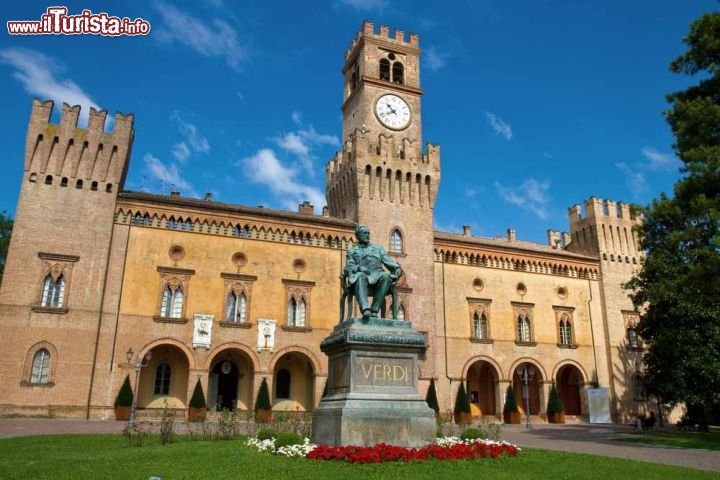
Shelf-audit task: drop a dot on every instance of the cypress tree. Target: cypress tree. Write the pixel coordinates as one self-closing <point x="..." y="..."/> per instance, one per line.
<point x="554" y="403"/>
<point x="462" y="405"/>
<point x="431" y="397"/>
<point x="263" y="398"/>
<point x="125" y="395"/>
<point x="510" y="402"/>
<point x="198" y="397"/>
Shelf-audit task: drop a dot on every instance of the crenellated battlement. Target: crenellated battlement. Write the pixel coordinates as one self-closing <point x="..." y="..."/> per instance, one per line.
<point x="63" y="150"/>
<point x="606" y="228"/>
<point x="398" y="38"/>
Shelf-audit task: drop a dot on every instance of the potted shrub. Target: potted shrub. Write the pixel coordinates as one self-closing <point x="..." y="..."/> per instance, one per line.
<point x="431" y="398"/>
<point x="197" y="410"/>
<point x="124" y="401"/>
<point x="510" y="411"/>
<point x="263" y="408"/>
<point x="555" y="411"/>
<point x="462" y="405"/>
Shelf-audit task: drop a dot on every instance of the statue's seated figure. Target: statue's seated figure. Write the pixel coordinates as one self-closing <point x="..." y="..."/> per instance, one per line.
<point x="365" y="276"/>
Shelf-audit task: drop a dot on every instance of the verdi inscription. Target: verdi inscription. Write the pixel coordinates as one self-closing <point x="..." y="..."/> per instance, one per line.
<point x="395" y="372"/>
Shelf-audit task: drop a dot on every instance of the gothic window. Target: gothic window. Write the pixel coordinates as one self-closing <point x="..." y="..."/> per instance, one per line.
<point x="398" y="72"/>
<point x="172" y="302"/>
<point x="296" y="312"/>
<point x="523" y="328"/>
<point x="480" y="327"/>
<point x="282" y="383"/>
<point x="385" y="69"/>
<point x="162" y="379"/>
<point x="53" y="292"/>
<point x="565" y="330"/>
<point x="236" y="308"/>
<point x="396" y="242"/>
<point x="40" y="373"/>
<point x="632" y="338"/>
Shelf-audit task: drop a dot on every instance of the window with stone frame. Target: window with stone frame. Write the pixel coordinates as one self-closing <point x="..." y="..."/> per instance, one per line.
<point x="403" y="293"/>
<point x="56" y="276"/>
<point x="297" y="305"/>
<point x="479" y="309"/>
<point x="565" y="326"/>
<point x="524" y="331"/>
<point x="174" y="288"/>
<point x="40" y="363"/>
<point x="238" y="297"/>
<point x="396" y="241"/>
<point x="631" y="319"/>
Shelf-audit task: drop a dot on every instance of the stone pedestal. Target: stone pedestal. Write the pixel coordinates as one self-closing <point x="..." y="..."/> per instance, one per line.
<point x="372" y="392"/>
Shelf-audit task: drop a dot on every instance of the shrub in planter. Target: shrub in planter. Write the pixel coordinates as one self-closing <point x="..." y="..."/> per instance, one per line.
<point x="555" y="411"/>
<point x="263" y="408"/>
<point x="267" y="434"/>
<point x="472" y="434"/>
<point x="197" y="407"/>
<point x="431" y="397"/>
<point x="124" y="401"/>
<point x="462" y="406"/>
<point x="285" y="439"/>
<point x="510" y="411"/>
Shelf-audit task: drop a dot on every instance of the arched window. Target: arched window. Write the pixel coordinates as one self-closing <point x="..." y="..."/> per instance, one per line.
<point x="401" y="312"/>
<point x="172" y="303"/>
<point x="64" y="182"/>
<point x="296" y="312"/>
<point x="565" y="331"/>
<point x="396" y="242"/>
<point x="53" y="292"/>
<point x="146" y="220"/>
<point x="632" y="338"/>
<point x="523" y="328"/>
<point x="79" y="184"/>
<point x="480" y="327"/>
<point x="40" y="372"/>
<point x="94" y="186"/>
<point x="237" y="307"/>
<point x="282" y="383"/>
<point x="138" y="220"/>
<point x="398" y="72"/>
<point x="385" y="69"/>
<point x="162" y="379"/>
<point x="48" y="180"/>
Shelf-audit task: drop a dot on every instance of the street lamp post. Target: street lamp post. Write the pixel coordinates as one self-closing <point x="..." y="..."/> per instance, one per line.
<point x="527" y="373"/>
<point x="140" y="362"/>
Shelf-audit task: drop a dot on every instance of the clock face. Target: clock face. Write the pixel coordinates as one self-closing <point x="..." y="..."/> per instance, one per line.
<point x="393" y="112"/>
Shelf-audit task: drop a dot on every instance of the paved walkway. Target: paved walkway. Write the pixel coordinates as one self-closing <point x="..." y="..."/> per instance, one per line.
<point x="581" y="438"/>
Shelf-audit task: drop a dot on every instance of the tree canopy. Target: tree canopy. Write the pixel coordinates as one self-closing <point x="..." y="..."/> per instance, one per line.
<point x="678" y="289"/>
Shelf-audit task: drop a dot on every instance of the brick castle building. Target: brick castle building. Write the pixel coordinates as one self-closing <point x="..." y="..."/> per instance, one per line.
<point x="229" y="294"/>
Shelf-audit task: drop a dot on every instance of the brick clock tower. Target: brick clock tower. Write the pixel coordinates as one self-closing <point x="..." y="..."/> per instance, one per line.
<point x="382" y="178"/>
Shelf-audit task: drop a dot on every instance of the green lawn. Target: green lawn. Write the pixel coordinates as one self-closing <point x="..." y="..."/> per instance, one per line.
<point x="704" y="440"/>
<point x="108" y="456"/>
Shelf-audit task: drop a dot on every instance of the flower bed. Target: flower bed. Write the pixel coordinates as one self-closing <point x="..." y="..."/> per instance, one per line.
<point x="448" y="448"/>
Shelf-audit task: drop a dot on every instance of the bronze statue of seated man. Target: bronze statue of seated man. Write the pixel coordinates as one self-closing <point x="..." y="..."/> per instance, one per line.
<point x="366" y="275"/>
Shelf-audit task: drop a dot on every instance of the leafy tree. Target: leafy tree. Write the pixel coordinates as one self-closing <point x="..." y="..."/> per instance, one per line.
<point x="263" y="398"/>
<point x="6" y="225"/>
<point x="198" y="397"/>
<point x="462" y="405"/>
<point x="554" y="403"/>
<point x="431" y="397"/>
<point x="679" y="285"/>
<point x="125" y="395"/>
<point x="510" y="402"/>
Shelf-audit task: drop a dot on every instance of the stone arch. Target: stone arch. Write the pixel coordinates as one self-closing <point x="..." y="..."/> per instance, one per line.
<point x="575" y="364"/>
<point x="171" y="341"/>
<point x="30" y="355"/>
<point x="298" y="349"/>
<point x="294" y="380"/>
<point x="532" y="361"/>
<point x="485" y="358"/>
<point x="210" y="357"/>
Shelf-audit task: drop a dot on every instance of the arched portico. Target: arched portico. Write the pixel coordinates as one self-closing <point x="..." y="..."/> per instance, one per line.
<point x="570" y="381"/>
<point x="482" y="379"/>
<point x="164" y="381"/>
<point x="231" y="379"/>
<point x="293" y="382"/>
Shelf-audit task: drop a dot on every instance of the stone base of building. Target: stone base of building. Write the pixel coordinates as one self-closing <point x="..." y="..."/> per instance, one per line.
<point x="372" y="392"/>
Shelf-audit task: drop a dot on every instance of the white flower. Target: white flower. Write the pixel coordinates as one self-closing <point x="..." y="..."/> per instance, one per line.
<point x="287" y="451"/>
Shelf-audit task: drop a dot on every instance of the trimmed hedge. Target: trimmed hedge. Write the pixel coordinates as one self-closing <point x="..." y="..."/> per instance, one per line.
<point x="198" y="397"/>
<point x="125" y="395"/>
<point x="462" y="404"/>
<point x="285" y="439"/>
<point x="267" y="434"/>
<point x="472" y="434"/>
<point x="263" y="398"/>
<point x="510" y="402"/>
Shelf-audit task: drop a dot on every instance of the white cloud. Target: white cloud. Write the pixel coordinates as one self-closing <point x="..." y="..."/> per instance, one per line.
<point x="658" y="160"/>
<point x="198" y="142"/>
<point x="434" y="59"/>
<point x="293" y="143"/>
<point x="39" y="75"/>
<point x="501" y="127"/>
<point x="214" y="39"/>
<point x="531" y="195"/>
<point x="302" y="141"/>
<point x="365" y="4"/>
<point x="181" y="152"/>
<point x="265" y="168"/>
<point x="296" y="117"/>
<point x="169" y="175"/>
<point x="634" y="179"/>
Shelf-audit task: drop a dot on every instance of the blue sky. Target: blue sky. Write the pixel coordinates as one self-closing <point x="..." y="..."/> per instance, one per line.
<point x="537" y="105"/>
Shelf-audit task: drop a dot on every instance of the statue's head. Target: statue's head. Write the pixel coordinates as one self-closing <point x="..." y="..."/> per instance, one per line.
<point x="362" y="233"/>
